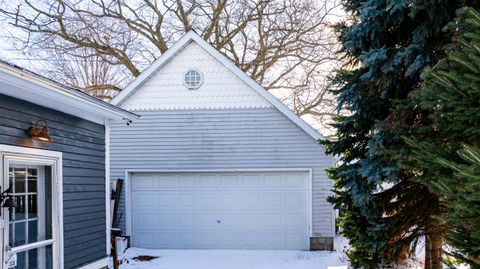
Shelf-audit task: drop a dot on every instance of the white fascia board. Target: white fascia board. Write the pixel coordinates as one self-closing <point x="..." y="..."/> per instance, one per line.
<point x="35" y="88"/>
<point x="192" y="36"/>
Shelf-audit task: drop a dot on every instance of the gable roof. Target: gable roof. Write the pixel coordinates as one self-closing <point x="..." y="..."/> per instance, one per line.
<point x="34" y="88"/>
<point x="191" y="36"/>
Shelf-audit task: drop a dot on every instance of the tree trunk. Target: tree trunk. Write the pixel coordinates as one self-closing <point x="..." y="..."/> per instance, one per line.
<point x="433" y="245"/>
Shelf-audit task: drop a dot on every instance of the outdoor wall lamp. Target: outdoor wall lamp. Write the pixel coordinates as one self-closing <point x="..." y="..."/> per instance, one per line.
<point x="6" y="200"/>
<point x="41" y="134"/>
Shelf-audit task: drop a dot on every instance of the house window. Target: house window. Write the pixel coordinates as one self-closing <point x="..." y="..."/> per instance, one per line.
<point x="193" y="79"/>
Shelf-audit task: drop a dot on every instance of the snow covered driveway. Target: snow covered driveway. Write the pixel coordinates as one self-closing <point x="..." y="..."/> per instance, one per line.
<point x="233" y="259"/>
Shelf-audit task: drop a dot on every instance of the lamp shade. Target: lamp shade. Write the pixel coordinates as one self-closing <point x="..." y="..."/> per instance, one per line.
<point x="41" y="134"/>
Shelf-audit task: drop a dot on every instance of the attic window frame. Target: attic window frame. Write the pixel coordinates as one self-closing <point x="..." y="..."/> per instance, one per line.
<point x="192" y="87"/>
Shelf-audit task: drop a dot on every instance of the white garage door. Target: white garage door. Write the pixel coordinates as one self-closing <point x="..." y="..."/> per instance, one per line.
<point x="220" y="210"/>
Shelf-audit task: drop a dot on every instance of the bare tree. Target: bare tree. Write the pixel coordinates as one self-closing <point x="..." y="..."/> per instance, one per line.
<point x="285" y="45"/>
<point x="85" y="70"/>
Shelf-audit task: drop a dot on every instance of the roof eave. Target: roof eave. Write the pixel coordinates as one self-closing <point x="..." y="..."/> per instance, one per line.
<point x="66" y="95"/>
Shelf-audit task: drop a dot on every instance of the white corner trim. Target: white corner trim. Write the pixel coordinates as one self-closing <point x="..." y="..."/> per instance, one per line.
<point x="128" y="207"/>
<point x="310" y="202"/>
<point x="192" y="36"/>
<point x="96" y="265"/>
<point x="107" y="185"/>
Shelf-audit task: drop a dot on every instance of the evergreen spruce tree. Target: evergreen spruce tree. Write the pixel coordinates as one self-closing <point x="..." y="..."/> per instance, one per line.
<point x="450" y="99"/>
<point x="464" y="207"/>
<point x="386" y="208"/>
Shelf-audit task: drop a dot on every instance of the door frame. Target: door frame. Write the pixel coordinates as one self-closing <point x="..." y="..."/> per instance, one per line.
<point x="41" y="157"/>
<point x="130" y="172"/>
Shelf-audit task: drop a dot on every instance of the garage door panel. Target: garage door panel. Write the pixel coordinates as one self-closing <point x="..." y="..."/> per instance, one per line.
<point x="207" y="220"/>
<point x="295" y="220"/>
<point x="162" y="182"/>
<point x="229" y="220"/>
<point x="208" y="181"/>
<point x="164" y="219"/>
<point x="251" y="221"/>
<point x="148" y="221"/>
<point x="143" y="182"/>
<point x="228" y="240"/>
<point x="144" y="200"/>
<point x="229" y="181"/>
<point x="150" y="200"/>
<point x="251" y="181"/>
<point x="161" y="199"/>
<point x="250" y="200"/>
<point x="224" y="240"/>
<point x="274" y="220"/>
<point x="217" y="220"/>
<point x="292" y="239"/>
<point x="186" y="199"/>
<point x="295" y="200"/>
<point x="295" y="180"/>
<point x="208" y="200"/>
<point x="186" y="220"/>
<point x="271" y="239"/>
<point x="274" y="180"/>
<point x="229" y="201"/>
<point x="187" y="181"/>
<point x="220" y="210"/>
<point x="190" y="239"/>
<point x="251" y="239"/>
<point x="273" y="200"/>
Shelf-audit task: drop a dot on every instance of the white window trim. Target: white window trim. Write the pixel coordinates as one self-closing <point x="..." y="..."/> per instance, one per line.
<point x="189" y="86"/>
<point x="128" y="184"/>
<point x="40" y="156"/>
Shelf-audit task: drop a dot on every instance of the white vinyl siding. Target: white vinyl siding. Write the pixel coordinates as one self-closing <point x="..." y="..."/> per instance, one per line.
<point x="220" y="88"/>
<point x="203" y="139"/>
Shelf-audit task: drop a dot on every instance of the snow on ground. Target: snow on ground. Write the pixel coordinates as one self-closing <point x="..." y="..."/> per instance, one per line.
<point x="232" y="259"/>
<point x="236" y="259"/>
<point x="250" y="259"/>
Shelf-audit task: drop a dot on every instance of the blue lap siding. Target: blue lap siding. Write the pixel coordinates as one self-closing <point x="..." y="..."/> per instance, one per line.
<point x="83" y="146"/>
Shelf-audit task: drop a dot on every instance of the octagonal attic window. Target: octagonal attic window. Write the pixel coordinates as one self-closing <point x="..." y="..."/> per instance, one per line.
<point x="193" y="79"/>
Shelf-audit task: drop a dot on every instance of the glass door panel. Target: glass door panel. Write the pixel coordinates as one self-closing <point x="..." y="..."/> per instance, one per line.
<point x="30" y="223"/>
<point x="35" y="258"/>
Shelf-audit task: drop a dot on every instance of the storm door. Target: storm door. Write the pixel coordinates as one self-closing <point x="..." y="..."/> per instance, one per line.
<point x="29" y="237"/>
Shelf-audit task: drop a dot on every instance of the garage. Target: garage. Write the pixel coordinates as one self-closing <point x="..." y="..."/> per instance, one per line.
<point x="219" y="210"/>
